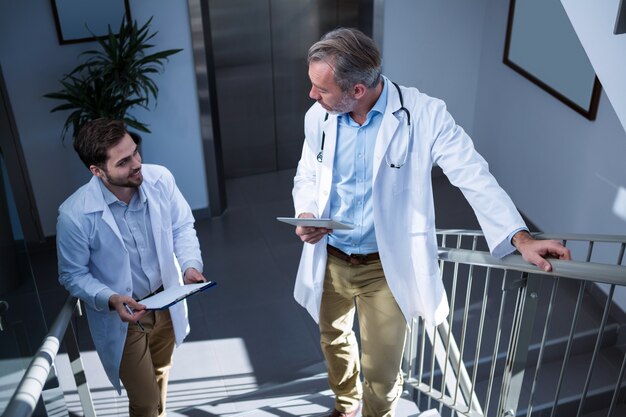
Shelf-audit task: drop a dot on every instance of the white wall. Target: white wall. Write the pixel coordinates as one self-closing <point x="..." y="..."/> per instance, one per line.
<point x="594" y="25"/>
<point x="543" y="153"/>
<point x="33" y="61"/>
<point x="548" y="157"/>
<point x="435" y="46"/>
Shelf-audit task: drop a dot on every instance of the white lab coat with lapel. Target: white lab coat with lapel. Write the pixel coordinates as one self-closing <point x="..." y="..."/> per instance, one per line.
<point x="92" y="256"/>
<point x="404" y="216"/>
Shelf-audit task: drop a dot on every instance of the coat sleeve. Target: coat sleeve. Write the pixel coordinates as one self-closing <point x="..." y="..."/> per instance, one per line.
<point x="454" y="152"/>
<point x="73" y="255"/>
<point x="305" y="181"/>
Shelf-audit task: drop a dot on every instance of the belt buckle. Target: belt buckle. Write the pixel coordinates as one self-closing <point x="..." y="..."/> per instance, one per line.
<point x="358" y="259"/>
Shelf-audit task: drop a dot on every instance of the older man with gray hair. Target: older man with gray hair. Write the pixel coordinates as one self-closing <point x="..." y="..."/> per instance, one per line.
<point x="369" y="148"/>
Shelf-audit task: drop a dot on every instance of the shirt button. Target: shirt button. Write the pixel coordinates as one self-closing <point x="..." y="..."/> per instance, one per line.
<point x="128" y="289"/>
<point x="360" y="155"/>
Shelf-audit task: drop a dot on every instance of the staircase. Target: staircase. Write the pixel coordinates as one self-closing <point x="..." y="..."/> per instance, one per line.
<point x="308" y="395"/>
<point x="553" y="327"/>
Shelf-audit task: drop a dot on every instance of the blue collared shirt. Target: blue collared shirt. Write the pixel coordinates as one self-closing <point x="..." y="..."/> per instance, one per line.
<point x="133" y="221"/>
<point x="351" y="191"/>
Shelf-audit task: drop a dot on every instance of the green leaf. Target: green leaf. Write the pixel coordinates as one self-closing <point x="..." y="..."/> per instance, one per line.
<point x="113" y="78"/>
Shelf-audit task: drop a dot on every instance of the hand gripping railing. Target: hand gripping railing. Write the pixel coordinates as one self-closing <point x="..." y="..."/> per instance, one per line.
<point x="29" y="390"/>
<point x="439" y="369"/>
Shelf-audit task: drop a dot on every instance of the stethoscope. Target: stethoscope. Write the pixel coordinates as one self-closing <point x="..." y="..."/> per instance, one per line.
<point x="320" y="155"/>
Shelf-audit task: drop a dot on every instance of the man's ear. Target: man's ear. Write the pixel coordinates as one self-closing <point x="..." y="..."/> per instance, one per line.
<point x="96" y="171"/>
<point x="359" y="91"/>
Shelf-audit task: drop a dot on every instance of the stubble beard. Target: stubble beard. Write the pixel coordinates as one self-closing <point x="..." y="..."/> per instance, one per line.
<point x="345" y="105"/>
<point x="128" y="182"/>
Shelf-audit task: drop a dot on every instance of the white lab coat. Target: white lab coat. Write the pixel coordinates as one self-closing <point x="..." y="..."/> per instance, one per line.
<point x="92" y="256"/>
<point x="404" y="216"/>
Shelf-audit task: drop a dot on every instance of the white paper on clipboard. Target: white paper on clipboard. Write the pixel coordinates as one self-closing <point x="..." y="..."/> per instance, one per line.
<point x="310" y="222"/>
<point x="173" y="295"/>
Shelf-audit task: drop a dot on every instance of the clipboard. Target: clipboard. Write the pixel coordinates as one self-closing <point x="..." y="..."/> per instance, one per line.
<point x="312" y="222"/>
<point x="173" y="295"/>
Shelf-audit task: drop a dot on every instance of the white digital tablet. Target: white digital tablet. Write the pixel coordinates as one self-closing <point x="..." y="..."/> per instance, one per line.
<point x="309" y="222"/>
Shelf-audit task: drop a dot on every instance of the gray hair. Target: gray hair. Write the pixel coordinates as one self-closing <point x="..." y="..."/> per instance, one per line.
<point x="354" y="57"/>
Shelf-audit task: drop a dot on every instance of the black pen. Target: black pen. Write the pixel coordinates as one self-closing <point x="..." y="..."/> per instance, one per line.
<point x="133" y="314"/>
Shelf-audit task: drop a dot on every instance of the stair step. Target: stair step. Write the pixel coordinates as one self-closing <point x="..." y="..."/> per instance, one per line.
<point x="554" y="349"/>
<point x="600" y="392"/>
<point x="619" y="411"/>
<point x="319" y="404"/>
<point x="601" y="386"/>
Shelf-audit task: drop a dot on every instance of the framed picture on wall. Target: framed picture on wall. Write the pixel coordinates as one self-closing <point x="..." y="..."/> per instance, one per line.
<point x="541" y="45"/>
<point x="79" y="20"/>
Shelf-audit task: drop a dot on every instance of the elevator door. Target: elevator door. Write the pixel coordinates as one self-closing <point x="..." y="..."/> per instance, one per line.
<point x="259" y="50"/>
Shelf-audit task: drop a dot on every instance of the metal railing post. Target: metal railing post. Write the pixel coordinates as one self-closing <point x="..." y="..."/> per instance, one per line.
<point x="78" y="370"/>
<point x="519" y="342"/>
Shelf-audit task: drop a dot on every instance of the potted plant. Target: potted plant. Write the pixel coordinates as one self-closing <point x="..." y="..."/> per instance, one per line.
<point x="113" y="79"/>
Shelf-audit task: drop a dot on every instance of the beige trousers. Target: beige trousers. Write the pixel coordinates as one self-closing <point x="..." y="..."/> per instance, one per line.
<point x="362" y="288"/>
<point x="146" y="362"/>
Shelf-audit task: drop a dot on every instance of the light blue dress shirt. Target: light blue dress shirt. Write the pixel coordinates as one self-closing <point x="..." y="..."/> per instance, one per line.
<point x="133" y="221"/>
<point x="351" y="191"/>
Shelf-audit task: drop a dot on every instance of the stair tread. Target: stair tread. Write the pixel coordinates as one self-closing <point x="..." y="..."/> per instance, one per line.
<point x="603" y="381"/>
<point x="319" y="404"/>
<point x="620" y="410"/>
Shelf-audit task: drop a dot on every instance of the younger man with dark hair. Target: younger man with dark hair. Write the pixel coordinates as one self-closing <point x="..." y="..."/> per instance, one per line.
<point x="120" y="238"/>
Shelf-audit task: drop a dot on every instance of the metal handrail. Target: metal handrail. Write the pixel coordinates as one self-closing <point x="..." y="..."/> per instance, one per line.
<point x="29" y="390"/>
<point x="520" y="292"/>
<point x="585" y="271"/>
<point x="543" y="236"/>
<point x="582" y="237"/>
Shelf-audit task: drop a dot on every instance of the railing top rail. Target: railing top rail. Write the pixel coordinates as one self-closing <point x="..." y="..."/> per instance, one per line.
<point x="462" y="232"/>
<point x="554" y="236"/>
<point x="27" y="394"/>
<point x="587" y="271"/>
<point x="582" y="237"/>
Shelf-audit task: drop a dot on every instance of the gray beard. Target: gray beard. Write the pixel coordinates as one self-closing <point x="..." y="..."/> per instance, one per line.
<point x="345" y="105"/>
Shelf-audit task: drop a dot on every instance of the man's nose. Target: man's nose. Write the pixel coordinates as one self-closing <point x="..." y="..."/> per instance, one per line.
<point x="314" y="94"/>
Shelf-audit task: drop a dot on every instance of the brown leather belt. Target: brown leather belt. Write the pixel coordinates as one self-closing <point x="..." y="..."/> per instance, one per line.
<point x="354" y="259"/>
<point x="158" y="290"/>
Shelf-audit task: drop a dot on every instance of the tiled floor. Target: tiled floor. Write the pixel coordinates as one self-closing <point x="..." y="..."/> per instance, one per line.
<point x="251" y="347"/>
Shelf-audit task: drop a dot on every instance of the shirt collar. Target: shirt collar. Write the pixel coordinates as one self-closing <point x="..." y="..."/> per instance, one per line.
<point x="110" y="198"/>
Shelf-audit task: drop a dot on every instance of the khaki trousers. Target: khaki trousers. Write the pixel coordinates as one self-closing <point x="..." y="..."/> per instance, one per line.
<point x="362" y="288"/>
<point x="146" y="362"/>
